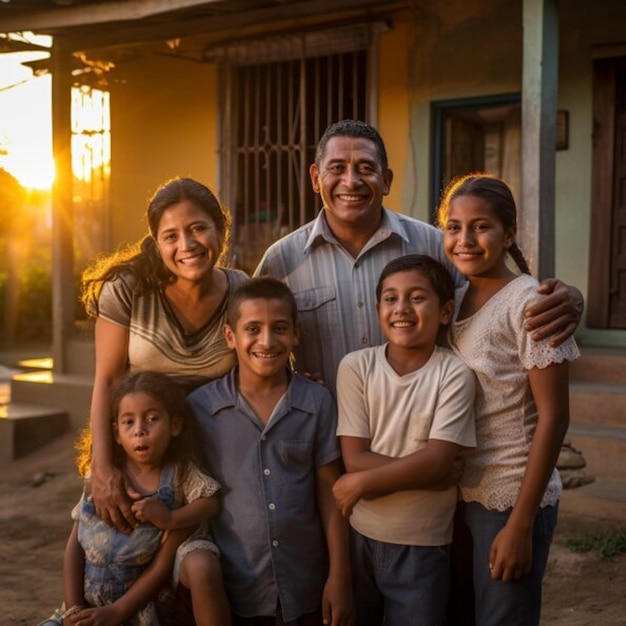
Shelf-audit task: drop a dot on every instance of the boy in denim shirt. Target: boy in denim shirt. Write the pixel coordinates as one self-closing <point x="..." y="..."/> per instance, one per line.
<point x="269" y="438"/>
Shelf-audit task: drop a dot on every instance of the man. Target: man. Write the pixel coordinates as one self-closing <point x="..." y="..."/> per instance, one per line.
<point x="332" y="264"/>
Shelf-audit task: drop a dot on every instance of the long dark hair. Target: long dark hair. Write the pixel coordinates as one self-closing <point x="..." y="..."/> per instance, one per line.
<point x="142" y="258"/>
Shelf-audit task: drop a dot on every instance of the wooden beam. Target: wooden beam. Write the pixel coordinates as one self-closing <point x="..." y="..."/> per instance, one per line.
<point x="92" y="14"/>
<point x="539" y="106"/>
<point x="63" y="296"/>
<point x="182" y="25"/>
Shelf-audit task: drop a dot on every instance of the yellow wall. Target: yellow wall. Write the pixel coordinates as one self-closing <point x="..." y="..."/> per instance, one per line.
<point x="439" y="51"/>
<point x="393" y="108"/>
<point x="460" y="49"/>
<point x="163" y="115"/>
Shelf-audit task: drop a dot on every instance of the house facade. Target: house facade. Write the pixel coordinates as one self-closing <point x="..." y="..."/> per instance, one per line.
<point x="236" y="94"/>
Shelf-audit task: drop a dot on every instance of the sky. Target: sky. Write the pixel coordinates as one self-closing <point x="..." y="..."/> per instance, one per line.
<point x="25" y="121"/>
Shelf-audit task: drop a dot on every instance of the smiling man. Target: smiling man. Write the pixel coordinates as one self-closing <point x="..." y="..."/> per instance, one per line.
<point x="332" y="264"/>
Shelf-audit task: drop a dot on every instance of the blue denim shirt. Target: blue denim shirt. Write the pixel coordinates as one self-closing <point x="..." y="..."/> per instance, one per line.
<point x="269" y="530"/>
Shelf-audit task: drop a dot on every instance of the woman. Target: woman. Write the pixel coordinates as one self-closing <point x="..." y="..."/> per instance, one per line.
<point x="159" y="305"/>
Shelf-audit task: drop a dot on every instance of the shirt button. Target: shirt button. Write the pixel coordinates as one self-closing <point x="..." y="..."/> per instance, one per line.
<point x="361" y="304"/>
<point x="364" y="340"/>
<point x="266" y="472"/>
<point x="271" y="506"/>
<point x="263" y="437"/>
<point x="275" y="543"/>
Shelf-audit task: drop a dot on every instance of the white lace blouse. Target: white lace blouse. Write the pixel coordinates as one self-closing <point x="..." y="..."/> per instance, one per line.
<point x="495" y="345"/>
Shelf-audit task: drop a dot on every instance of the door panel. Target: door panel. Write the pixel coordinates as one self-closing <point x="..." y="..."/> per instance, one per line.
<point x="617" y="300"/>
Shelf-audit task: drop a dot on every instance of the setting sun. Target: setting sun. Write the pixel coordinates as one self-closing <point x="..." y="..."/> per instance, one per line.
<point x="25" y="121"/>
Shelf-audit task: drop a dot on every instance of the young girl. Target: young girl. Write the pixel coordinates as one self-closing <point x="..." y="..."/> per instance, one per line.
<point x="111" y="577"/>
<point x="509" y="487"/>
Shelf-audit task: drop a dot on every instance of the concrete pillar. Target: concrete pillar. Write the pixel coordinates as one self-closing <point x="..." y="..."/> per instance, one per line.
<point x="63" y="296"/>
<point x="539" y="106"/>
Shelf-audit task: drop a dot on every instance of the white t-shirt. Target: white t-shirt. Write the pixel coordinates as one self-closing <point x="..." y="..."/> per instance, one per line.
<point x="399" y="414"/>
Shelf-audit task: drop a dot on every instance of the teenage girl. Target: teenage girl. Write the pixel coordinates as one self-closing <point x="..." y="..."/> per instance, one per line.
<point x="509" y="487"/>
<point x="116" y="578"/>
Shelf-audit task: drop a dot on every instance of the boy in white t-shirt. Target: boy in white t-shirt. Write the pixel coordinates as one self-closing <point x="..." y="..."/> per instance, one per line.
<point x="406" y="409"/>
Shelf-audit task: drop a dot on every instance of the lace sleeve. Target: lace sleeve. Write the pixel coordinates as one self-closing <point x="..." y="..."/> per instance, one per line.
<point x="540" y="354"/>
<point x="198" y="485"/>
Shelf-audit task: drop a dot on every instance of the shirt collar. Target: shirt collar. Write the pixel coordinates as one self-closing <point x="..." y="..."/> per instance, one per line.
<point x="299" y="393"/>
<point x="391" y="224"/>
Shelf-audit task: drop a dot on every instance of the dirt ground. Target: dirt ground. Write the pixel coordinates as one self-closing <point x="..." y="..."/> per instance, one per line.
<point x="38" y="492"/>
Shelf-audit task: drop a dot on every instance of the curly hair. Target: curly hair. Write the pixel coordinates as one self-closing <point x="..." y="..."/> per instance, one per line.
<point x="494" y="191"/>
<point x="183" y="449"/>
<point x="142" y="258"/>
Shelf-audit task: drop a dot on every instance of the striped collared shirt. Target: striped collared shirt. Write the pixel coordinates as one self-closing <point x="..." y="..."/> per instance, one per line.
<point x="335" y="292"/>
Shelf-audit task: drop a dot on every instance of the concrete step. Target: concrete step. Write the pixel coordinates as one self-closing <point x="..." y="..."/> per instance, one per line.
<point x="598" y="403"/>
<point x="605" y="498"/>
<point x="599" y="365"/>
<point x="70" y="393"/>
<point x="604" y="448"/>
<point x="26" y="427"/>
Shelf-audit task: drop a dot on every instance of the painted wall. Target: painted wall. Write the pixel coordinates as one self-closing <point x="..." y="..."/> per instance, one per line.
<point x="393" y="108"/>
<point x="459" y="49"/>
<point x="163" y="113"/>
<point x="165" y="120"/>
<point x="587" y="29"/>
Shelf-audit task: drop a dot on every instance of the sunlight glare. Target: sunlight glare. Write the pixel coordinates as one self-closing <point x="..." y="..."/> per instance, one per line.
<point x="25" y="119"/>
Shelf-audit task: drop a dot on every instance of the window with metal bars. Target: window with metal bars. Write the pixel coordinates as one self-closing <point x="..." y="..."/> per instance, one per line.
<point x="91" y="166"/>
<point x="279" y="110"/>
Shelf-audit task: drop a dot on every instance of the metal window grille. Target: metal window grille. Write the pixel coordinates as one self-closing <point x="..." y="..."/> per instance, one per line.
<point x="278" y="111"/>
<point x="91" y="165"/>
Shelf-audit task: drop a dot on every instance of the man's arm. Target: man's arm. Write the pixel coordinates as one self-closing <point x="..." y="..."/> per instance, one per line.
<point x="557" y="315"/>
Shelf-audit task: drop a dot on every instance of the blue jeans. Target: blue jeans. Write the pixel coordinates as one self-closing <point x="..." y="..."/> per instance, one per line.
<point x="515" y="603"/>
<point x="399" y="585"/>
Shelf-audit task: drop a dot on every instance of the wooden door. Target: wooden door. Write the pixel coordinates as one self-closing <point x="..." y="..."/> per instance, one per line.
<point x="606" y="298"/>
<point x="617" y="286"/>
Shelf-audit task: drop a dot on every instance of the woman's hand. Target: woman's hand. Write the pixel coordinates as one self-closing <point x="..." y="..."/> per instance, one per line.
<point x="113" y="497"/>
